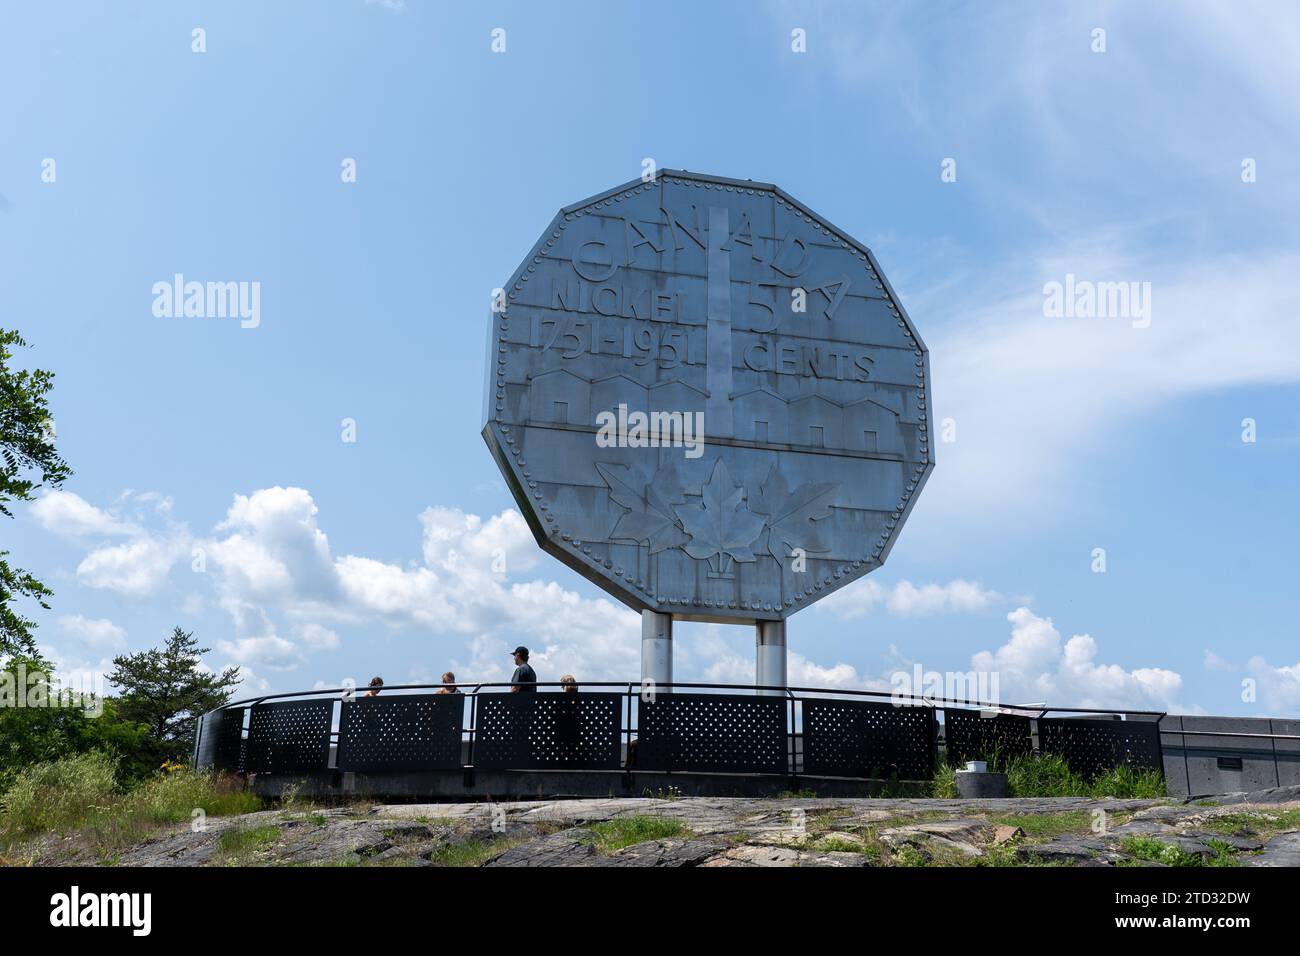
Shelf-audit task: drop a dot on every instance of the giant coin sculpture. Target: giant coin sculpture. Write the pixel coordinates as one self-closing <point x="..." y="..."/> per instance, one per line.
<point x="709" y="401"/>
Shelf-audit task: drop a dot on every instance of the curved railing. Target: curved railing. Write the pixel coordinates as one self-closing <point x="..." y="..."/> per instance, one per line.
<point x="665" y="728"/>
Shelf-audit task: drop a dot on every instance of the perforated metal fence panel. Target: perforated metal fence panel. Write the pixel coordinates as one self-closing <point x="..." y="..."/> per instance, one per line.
<point x="714" y="733"/>
<point x="220" y="743"/>
<point x="1092" y="747"/>
<point x="401" y="732"/>
<point x="968" y="735"/>
<point x="289" y="736"/>
<point x="547" y="731"/>
<point x="855" y="738"/>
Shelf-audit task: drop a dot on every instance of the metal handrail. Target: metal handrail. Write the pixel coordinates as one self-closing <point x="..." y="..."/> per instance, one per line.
<point x="630" y="731"/>
<point x="938" y="703"/>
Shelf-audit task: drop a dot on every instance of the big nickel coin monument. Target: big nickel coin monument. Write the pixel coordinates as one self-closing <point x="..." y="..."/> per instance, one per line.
<point x="709" y="401"/>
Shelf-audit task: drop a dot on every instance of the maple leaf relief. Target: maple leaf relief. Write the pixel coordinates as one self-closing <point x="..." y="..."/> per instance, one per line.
<point x="720" y="525"/>
<point x="650" y="516"/>
<point x="792" y="516"/>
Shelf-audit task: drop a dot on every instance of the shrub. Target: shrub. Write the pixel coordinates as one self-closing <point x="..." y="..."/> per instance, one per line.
<point x="58" y="793"/>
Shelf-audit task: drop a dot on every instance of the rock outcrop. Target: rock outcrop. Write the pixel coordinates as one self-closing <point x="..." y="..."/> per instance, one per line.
<point x="1241" y="829"/>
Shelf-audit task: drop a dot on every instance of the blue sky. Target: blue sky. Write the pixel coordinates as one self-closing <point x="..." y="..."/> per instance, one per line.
<point x="324" y="559"/>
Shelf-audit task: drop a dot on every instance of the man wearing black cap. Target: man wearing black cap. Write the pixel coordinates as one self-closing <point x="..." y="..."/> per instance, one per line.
<point x="524" y="678"/>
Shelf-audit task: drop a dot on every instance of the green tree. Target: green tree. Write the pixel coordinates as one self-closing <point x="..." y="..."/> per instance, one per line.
<point x="47" y="725"/>
<point x="166" y="690"/>
<point x="28" y="461"/>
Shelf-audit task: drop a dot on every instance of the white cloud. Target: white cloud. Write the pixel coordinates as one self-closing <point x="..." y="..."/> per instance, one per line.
<point x="317" y="636"/>
<point x="1033" y="666"/>
<point x="1278" y="688"/>
<point x="501" y="545"/>
<point x="414" y="596"/>
<point x="271" y="559"/>
<point x="97" y="632"/>
<point x="250" y="682"/>
<point x="1213" y="662"/>
<point x="79" y="673"/>
<point x="726" y="667"/>
<point x="270" y="556"/>
<point x="1067" y="387"/>
<point x="905" y="599"/>
<point x="576" y="635"/>
<point x="136" y="568"/>
<point x="275" y="550"/>
<point x="70" y="515"/>
<point x="269" y="650"/>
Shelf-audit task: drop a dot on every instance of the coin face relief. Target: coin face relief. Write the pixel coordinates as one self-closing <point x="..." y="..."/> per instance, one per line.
<point x="707" y="399"/>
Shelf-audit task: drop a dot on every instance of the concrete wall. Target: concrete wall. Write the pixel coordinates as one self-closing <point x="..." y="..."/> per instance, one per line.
<point x="1196" y="765"/>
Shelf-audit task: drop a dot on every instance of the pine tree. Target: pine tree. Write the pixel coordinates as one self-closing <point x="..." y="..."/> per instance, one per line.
<point x="166" y="690"/>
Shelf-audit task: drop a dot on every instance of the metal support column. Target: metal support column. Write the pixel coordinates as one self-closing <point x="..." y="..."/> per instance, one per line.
<point x="657" y="648"/>
<point x="769" y="643"/>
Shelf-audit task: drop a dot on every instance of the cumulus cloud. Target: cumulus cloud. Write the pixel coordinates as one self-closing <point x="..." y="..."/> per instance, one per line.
<point x="715" y="655"/>
<point x="72" y="516"/>
<point x="730" y="668"/>
<point x="905" y="599"/>
<point x="1033" y="666"/>
<point x="317" y="636"/>
<point x="502" y="544"/>
<point x="288" y="595"/>
<point x="1277" y="687"/>
<point x="268" y="650"/>
<point x="275" y="550"/>
<point x="136" y="568"/>
<point x="270" y="559"/>
<point x="97" y="632"/>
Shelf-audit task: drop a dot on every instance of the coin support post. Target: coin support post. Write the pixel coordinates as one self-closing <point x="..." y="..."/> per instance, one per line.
<point x="656" y="648"/>
<point x="770" y="665"/>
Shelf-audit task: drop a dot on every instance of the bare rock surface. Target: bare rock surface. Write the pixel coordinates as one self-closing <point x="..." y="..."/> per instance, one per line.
<point x="796" y="831"/>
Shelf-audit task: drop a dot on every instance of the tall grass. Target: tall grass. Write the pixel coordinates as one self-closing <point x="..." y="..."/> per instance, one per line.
<point x="77" y="795"/>
<point x="945" y="782"/>
<point x="1048" y="775"/>
<point x="58" y="794"/>
<point x="1124" y="781"/>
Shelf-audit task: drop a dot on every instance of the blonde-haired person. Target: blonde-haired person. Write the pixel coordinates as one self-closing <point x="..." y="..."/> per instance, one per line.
<point x="569" y="684"/>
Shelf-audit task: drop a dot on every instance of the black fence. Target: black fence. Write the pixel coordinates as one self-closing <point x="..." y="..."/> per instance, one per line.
<point x="684" y="728"/>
